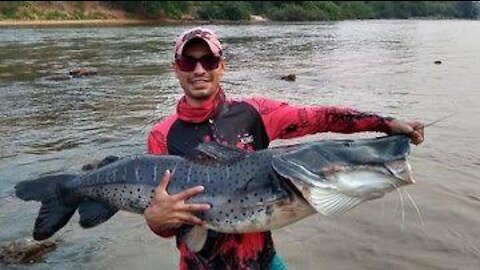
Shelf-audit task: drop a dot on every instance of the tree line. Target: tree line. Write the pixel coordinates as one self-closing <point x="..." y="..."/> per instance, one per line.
<point x="305" y="10"/>
<point x="281" y="10"/>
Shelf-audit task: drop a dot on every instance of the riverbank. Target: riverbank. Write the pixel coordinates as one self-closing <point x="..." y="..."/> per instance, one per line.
<point x="98" y="13"/>
<point x="120" y="22"/>
<point x="88" y="23"/>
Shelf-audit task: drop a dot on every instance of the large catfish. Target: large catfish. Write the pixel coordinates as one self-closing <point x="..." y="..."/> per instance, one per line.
<point x="248" y="192"/>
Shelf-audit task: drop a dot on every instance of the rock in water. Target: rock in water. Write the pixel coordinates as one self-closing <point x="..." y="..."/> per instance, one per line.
<point x="26" y="251"/>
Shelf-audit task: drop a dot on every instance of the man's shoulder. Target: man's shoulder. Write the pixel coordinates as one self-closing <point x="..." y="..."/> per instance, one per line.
<point x="164" y="125"/>
<point x="264" y="105"/>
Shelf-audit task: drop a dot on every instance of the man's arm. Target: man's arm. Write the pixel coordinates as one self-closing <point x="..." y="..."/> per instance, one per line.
<point x="285" y="121"/>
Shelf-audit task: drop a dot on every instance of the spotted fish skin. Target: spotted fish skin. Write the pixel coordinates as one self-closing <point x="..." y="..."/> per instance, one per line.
<point x="248" y="192"/>
<point x="242" y="192"/>
<point x="127" y="184"/>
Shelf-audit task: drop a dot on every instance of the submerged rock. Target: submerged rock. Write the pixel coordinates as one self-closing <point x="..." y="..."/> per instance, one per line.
<point x="289" y="77"/>
<point x="75" y="73"/>
<point x="82" y="72"/>
<point x="26" y="251"/>
<point x="60" y="77"/>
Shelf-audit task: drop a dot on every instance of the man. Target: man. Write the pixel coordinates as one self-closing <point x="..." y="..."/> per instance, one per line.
<point x="204" y="114"/>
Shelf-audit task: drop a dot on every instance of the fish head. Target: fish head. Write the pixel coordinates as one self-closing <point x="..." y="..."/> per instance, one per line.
<point x="335" y="176"/>
<point x="369" y="181"/>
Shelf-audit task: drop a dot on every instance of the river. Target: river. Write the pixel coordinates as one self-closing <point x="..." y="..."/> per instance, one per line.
<point x="388" y="67"/>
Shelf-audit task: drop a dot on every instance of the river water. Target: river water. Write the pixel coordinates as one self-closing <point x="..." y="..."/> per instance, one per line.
<point x="386" y="67"/>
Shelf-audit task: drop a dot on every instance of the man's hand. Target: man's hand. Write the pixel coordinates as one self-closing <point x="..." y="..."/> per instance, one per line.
<point x="170" y="211"/>
<point x="413" y="129"/>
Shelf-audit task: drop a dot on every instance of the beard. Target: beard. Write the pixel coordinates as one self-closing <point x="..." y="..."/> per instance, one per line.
<point x="201" y="94"/>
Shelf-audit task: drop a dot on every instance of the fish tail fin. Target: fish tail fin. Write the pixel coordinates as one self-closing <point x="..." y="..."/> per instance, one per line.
<point x="41" y="188"/>
<point x="58" y="205"/>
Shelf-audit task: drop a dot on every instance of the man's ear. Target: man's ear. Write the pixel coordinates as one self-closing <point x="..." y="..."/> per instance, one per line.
<point x="223" y="65"/>
<point x="175" y="68"/>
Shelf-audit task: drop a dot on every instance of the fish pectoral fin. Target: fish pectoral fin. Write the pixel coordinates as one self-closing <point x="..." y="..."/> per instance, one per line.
<point x="94" y="213"/>
<point x="219" y="152"/>
<point x="324" y="198"/>
<point x="196" y="238"/>
<point x="330" y="201"/>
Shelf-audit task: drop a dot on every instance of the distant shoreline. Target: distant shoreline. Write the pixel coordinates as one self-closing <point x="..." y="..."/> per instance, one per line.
<point x="69" y="22"/>
<point x="132" y="22"/>
<point x="93" y="23"/>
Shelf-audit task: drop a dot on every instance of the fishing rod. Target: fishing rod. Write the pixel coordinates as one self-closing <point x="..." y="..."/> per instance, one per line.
<point x="431" y="123"/>
<point x="438" y="120"/>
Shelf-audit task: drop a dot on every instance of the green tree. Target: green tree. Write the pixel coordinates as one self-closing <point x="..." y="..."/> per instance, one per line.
<point x="155" y="9"/>
<point x="466" y="9"/>
<point x="8" y="9"/>
<point x="225" y="10"/>
<point x="356" y="10"/>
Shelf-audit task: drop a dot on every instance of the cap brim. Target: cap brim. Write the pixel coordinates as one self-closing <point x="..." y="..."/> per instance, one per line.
<point x="213" y="48"/>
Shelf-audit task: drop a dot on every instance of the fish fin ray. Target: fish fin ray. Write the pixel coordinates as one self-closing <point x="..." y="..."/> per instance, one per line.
<point x="330" y="201"/>
<point x="58" y="204"/>
<point x="53" y="215"/>
<point x="94" y="213"/>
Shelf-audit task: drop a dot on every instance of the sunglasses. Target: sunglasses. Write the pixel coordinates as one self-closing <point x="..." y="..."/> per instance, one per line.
<point x="188" y="63"/>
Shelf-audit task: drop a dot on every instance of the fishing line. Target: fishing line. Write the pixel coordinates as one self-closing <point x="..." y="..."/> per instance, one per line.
<point x="433" y="122"/>
<point x="438" y="120"/>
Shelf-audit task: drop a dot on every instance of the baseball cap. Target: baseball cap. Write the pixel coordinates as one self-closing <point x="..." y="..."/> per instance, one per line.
<point x="198" y="32"/>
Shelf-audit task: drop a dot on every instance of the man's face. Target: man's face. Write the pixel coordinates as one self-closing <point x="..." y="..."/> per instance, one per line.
<point x="199" y="84"/>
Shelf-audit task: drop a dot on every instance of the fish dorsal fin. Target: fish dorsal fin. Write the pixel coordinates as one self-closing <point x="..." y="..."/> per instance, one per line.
<point x="196" y="238"/>
<point x="219" y="152"/>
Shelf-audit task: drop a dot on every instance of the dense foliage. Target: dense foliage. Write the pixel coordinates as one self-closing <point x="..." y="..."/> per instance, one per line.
<point x="155" y="9"/>
<point x="315" y="10"/>
<point x="279" y="10"/>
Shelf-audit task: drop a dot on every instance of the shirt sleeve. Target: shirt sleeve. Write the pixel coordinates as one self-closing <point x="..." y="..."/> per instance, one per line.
<point x="157" y="143"/>
<point x="284" y="121"/>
